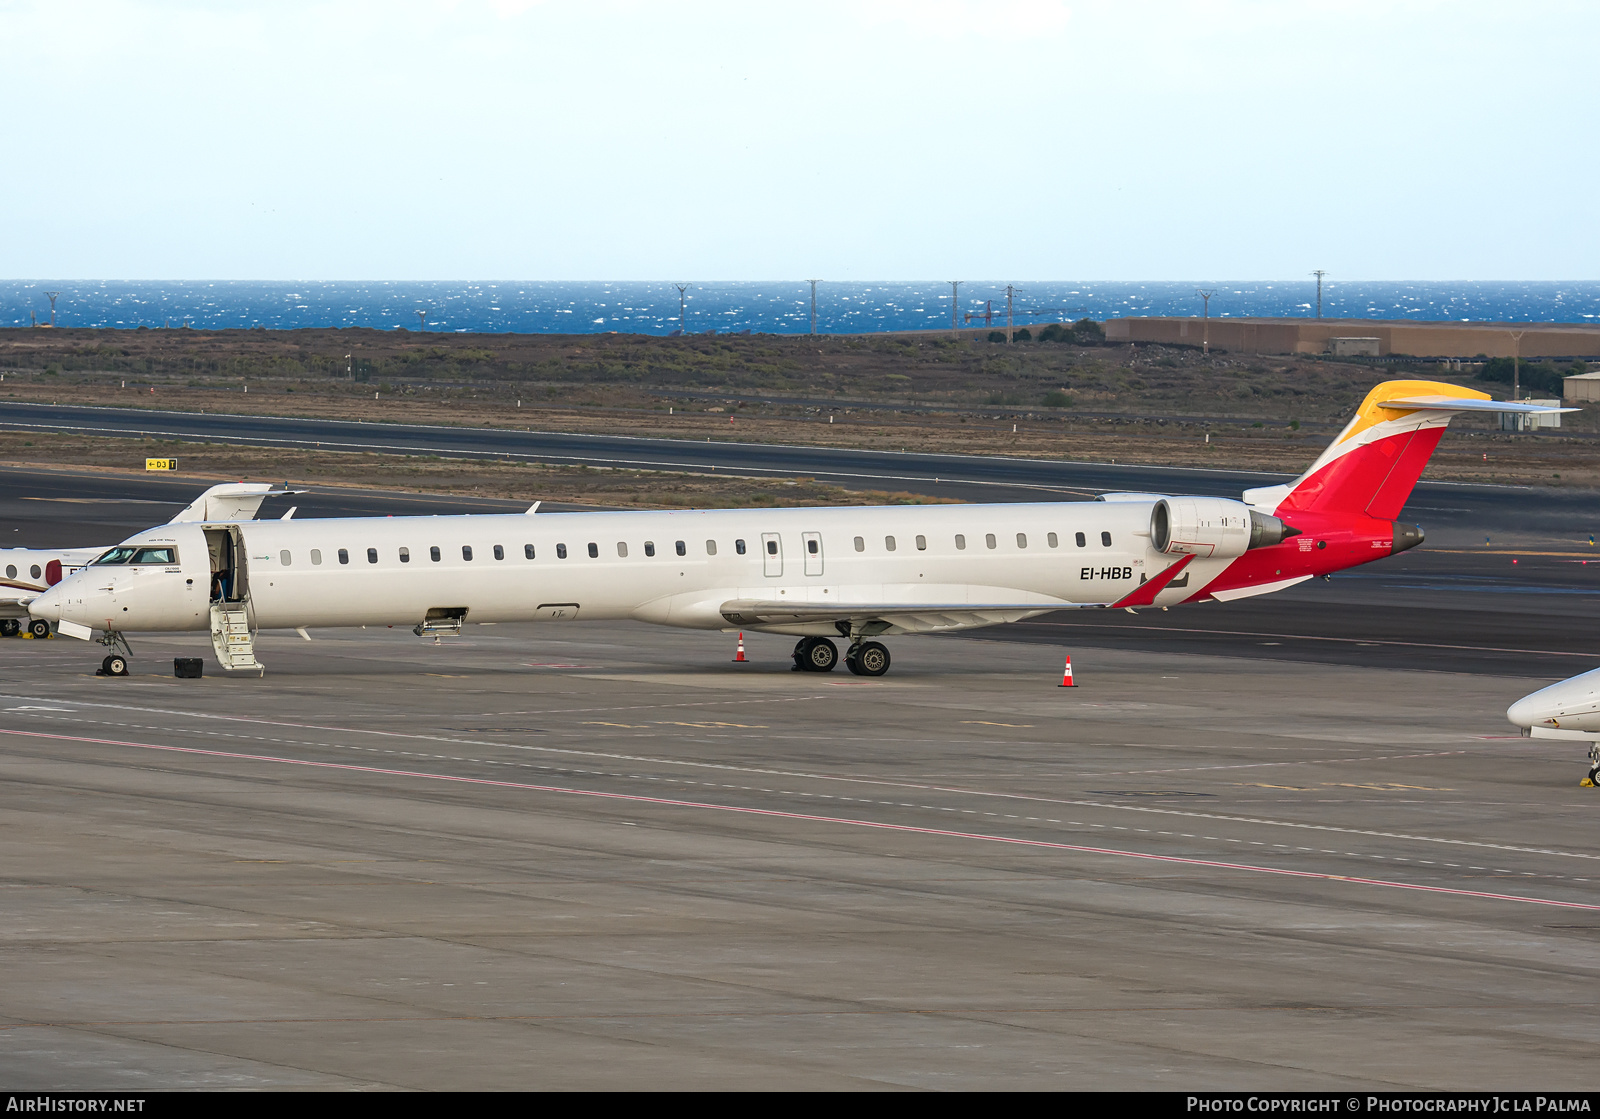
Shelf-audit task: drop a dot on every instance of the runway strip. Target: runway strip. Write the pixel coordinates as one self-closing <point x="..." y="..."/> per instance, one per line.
<point x="840" y="820"/>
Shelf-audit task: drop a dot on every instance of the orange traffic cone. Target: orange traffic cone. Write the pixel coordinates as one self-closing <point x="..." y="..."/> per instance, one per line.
<point x="739" y="657"/>
<point x="1066" y="675"/>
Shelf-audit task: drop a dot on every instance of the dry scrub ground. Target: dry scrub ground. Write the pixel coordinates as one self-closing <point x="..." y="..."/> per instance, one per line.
<point x="1146" y="405"/>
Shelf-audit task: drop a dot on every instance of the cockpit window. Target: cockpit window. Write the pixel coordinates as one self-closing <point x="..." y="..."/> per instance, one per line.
<point x="139" y="555"/>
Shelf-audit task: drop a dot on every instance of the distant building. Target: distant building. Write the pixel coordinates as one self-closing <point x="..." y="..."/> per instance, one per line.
<point x="1521" y="421"/>
<point x="1581" y="387"/>
<point x="1393" y="336"/>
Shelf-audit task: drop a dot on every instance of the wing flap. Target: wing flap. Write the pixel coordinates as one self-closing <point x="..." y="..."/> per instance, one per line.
<point x="919" y="615"/>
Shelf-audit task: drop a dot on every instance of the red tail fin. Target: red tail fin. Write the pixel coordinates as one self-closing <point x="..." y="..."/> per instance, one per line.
<point x="1375" y="462"/>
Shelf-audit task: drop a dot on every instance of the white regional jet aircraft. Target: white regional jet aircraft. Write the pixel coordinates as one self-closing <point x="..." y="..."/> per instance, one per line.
<point x="1569" y="710"/>
<point x="29" y="572"/>
<point x="818" y="574"/>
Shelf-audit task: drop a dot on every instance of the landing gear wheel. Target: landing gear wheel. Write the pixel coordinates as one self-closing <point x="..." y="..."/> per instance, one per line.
<point x="114" y="665"/>
<point x="867" y="659"/>
<point x="817" y="654"/>
<point x="1594" y="776"/>
<point x="39" y="628"/>
<point x="10" y="627"/>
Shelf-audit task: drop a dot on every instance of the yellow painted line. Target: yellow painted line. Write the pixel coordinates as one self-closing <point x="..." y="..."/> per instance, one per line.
<point x="1498" y="552"/>
<point x="1384" y="788"/>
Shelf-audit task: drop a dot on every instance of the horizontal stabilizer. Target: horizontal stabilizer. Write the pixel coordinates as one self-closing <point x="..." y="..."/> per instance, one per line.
<point x="1458" y="404"/>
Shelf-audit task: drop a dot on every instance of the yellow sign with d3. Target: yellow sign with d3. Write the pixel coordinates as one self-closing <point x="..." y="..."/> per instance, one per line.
<point x="161" y="464"/>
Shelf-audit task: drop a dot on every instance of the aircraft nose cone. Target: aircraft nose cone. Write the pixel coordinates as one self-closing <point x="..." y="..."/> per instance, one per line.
<point x="1531" y="710"/>
<point x="47" y="606"/>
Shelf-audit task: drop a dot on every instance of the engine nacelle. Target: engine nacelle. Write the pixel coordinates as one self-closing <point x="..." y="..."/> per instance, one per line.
<point x="1212" y="526"/>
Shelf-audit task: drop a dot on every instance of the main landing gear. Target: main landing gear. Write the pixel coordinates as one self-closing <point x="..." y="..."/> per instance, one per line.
<point x="1593" y="780"/>
<point x="815" y="654"/>
<point x="37" y="628"/>
<point x="818" y="654"/>
<point x="867" y="658"/>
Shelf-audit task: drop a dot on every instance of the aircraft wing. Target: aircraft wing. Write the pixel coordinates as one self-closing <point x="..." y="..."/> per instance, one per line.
<point x="231" y="501"/>
<point x="14" y="601"/>
<point x="881" y="617"/>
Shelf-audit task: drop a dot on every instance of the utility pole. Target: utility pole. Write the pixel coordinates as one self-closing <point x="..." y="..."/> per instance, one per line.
<point x="52" y="295"/>
<point x="1009" y="291"/>
<point x="1319" y="273"/>
<point x="683" y="308"/>
<point x="954" y="295"/>
<point x="813" y="284"/>
<point x="422" y="320"/>
<point x="1516" y="367"/>
<point x="1205" y="318"/>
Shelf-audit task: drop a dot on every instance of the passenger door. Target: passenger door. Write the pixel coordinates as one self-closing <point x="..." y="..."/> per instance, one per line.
<point x="812" y="543"/>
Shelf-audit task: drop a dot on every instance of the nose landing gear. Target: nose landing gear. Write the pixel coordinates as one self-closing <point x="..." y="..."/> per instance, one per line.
<point x="1593" y="780"/>
<point x="116" y="664"/>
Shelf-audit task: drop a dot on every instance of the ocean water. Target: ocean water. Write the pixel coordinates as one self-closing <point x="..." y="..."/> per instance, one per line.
<point x="779" y="307"/>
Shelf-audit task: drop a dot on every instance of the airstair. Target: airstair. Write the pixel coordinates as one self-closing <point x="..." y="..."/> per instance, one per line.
<point x="231" y="637"/>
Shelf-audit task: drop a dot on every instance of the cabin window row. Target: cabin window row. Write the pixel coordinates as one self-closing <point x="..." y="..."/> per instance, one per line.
<point x="990" y="540"/>
<point x="679" y="547"/>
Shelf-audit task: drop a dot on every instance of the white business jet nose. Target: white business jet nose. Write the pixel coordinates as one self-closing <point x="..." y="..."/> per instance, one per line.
<point x="1531" y="710"/>
<point x="1570" y="703"/>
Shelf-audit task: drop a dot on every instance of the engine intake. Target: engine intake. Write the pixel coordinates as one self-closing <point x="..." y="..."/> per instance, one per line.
<point x="1213" y="526"/>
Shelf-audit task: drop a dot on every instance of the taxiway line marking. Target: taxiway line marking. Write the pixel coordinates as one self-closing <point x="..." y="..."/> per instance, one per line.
<point x="847" y="821"/>
<point x="1179" y="630"/>
<point x="916" y="786"/>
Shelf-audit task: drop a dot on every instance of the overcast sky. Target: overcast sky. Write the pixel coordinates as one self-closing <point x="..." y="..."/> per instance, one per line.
<point x="875" y="139"/>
